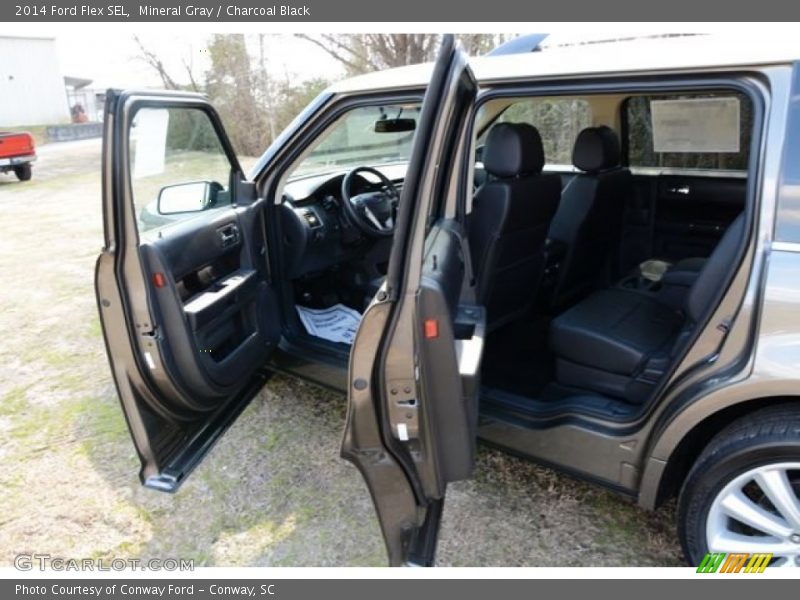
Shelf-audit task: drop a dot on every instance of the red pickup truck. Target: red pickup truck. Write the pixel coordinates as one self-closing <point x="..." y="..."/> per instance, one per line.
<point x="17" y="152"/>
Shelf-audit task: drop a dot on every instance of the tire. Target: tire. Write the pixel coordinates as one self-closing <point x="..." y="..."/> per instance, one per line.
<point x="745" y="466"/>
<point x="23" y="172"/>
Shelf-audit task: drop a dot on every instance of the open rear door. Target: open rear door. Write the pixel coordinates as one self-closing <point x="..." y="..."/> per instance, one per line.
<point x="414" y="366"/>
<point x="188" y="310"/>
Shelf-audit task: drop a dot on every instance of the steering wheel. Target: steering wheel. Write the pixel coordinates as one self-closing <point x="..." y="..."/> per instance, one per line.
<point x="374" y="212"/>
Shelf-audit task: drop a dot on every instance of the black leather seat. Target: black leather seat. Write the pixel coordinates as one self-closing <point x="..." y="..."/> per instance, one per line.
<point x="589" y="217"/>
<point x="508" y="224"/>
<point x="619" y="342"/>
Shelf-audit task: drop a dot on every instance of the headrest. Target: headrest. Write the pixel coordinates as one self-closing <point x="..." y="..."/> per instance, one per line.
<point x="596" y="149"/>
<point x="513" y="149"/>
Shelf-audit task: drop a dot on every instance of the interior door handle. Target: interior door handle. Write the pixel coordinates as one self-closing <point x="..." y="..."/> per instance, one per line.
<point x="682" y="190"/>
<point x="228" y="235"/>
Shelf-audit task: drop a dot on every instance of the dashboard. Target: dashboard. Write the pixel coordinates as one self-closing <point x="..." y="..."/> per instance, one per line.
<point x="316" y="233"/>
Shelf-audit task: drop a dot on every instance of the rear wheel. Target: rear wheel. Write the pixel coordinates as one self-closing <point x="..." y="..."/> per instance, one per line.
<point x="743" y="493"/>
<point x="23" y="172"/>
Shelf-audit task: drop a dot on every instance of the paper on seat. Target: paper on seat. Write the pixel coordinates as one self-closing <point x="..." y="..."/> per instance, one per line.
<point x="335" y="324"/>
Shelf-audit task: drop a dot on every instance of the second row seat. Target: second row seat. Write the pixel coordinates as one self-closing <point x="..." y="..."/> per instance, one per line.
<point x="619" y="342"/>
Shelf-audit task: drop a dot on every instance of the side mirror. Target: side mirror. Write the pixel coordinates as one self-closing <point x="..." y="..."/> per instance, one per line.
<point x="192" y="196"/>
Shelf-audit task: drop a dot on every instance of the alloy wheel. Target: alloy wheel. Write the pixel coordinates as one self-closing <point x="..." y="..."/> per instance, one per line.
<point x="759" y="512"/>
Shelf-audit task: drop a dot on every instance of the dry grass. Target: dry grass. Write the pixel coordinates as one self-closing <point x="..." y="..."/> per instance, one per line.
<point x="273" y="491"/>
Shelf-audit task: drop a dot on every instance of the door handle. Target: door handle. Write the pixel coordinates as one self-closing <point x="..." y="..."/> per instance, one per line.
<point x="682" y="190"/>
<point x="228" y="235"/>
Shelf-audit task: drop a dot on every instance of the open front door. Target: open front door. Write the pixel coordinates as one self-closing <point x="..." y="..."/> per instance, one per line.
<point x="186" y="304"/>
<point x="414" y="365"/>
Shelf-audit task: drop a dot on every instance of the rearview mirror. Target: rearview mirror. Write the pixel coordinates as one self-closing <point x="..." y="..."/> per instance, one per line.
<point x="192" y="196"/>
<point x="395" y="125"/>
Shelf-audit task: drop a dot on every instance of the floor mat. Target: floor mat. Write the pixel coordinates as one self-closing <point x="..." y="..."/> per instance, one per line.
<point x="517" y="358"/>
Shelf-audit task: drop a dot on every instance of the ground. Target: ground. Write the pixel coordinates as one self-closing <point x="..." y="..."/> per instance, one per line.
<point x="273" y="491"/>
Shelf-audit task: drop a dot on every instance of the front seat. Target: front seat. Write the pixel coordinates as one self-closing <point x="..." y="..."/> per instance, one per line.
<point x="620" y="342"/>
<point x="589" y="217"/>
<point x="509" y="221"/>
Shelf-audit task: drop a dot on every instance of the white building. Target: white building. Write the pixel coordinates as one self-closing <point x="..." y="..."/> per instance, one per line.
<point x="31" y="84"/>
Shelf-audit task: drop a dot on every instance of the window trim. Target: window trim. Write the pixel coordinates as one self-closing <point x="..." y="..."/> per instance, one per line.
<point x="746" y="81"/>
<point x="685" y="171"/>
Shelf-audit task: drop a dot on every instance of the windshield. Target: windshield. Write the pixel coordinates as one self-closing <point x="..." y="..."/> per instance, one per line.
<point x="366" y="136"/>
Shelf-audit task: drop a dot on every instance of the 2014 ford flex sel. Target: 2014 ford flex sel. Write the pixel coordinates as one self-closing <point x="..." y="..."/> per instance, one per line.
<point x="588" y="256"/>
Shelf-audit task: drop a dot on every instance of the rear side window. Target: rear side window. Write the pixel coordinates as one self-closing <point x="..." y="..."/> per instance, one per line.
<point x="689" y="131"/>
<point x="559" y="121"/>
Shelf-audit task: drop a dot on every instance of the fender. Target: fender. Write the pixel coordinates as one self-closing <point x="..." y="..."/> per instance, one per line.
<point x="772" y="379"/>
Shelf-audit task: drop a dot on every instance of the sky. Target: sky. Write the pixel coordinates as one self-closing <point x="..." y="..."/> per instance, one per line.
<point x="111" y="59"/>
<point x="107" y="53"/>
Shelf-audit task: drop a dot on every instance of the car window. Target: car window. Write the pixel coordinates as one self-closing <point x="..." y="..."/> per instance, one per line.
<point x="559" y="121"/>
<point x="365" y="136"/>
<point x="689" y="131"/>
<point x="178" y="166"/>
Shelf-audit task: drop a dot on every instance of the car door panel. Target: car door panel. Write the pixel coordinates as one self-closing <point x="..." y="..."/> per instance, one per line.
<point x="413" y="379"/>
<point x="188" y="310"/>
<point x="451" y="351"/>
<point x="692" y="213"/>
<point x="674" y="217"/>
<point x="215" y="303"/>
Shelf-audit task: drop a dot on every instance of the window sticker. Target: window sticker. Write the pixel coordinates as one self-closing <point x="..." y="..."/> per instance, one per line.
<point x="695" y="125"/>
<point x="150" y="132"/>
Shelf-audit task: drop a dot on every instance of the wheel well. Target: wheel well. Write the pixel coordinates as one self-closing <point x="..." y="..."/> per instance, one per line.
<point x="693" y="443"/>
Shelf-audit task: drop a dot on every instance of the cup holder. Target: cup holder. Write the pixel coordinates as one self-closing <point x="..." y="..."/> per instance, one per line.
<point x="640" y="283"/>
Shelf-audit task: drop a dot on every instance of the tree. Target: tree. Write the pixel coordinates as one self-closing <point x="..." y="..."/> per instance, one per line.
<point x="232" y="86"/>
<point x="362" y="53"/>
<point x="157" y="64"/>
<point x="255" y="106"/>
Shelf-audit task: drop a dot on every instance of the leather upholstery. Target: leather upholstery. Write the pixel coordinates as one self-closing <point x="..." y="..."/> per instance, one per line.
<point x="509" y="221"/>
<point x="596" y="149"/>
<point x="589" y="217"/>
<point x="684" y="272"/>
<point x="513" y="149"/>
<point x="708" y="283"/>
<point x="618" y="342"/>
<point x="614" y="330"/>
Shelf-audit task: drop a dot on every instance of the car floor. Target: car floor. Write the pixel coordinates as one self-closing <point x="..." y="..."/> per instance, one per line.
<point x="517" y="358"/>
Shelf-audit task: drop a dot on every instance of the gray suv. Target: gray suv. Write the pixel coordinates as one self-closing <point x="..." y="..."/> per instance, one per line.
<point x="584" y="256"/>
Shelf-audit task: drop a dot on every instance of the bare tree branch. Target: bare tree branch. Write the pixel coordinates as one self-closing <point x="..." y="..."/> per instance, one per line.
<point x="360" y="53"/>
<point x="188" y="64"/>
<point x="155" y="62"/>
<point x="334" y="54"/>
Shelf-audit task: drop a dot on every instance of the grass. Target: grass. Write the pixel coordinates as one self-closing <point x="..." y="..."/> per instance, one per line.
<point x="273" y="491"/>
<point x="14" y="402"/>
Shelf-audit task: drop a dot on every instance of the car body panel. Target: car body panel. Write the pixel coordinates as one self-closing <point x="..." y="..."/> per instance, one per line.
<point x="758" y="361"/>
<point x="632" y="457"/>
<point x="707" y="53"/>
<point x="17" y="147"/>
<point x="622" y="459"/>
<point x="177" y="397"/>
